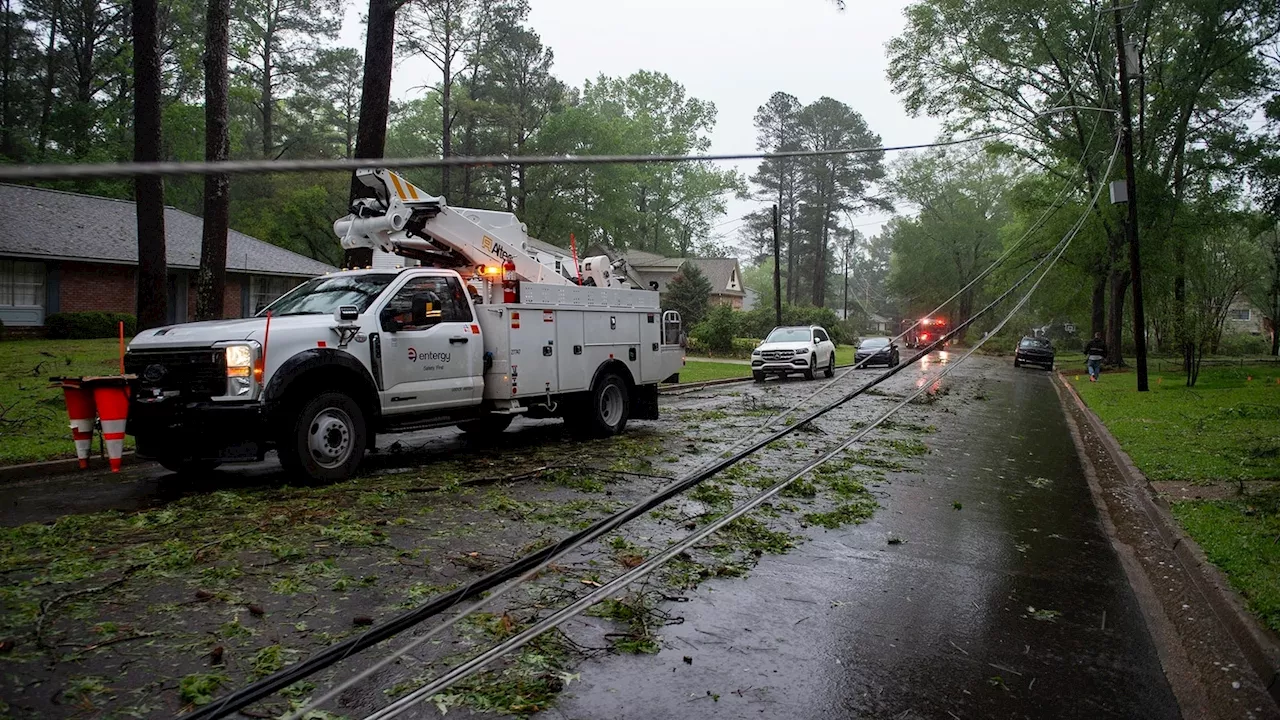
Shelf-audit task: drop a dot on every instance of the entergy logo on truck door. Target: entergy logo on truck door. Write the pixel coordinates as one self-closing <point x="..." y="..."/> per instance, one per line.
<point x="431" y="359"/>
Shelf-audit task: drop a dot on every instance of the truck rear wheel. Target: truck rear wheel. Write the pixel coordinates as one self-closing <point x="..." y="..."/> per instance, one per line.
<point x="327" y="439"/>
<point x="605" y="410"/>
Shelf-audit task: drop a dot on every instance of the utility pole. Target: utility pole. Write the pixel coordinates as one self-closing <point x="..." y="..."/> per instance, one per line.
<point x="777" y="266"/>
<point x="846" y="282"/>
<point x="1131" y="188"/>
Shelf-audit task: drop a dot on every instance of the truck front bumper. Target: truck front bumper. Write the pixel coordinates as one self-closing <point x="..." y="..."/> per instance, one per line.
<point x="199" y="430"/>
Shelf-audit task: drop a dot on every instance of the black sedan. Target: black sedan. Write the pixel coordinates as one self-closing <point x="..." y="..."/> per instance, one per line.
<point x="1034" y="351"/>
<point x="877" y="350"/>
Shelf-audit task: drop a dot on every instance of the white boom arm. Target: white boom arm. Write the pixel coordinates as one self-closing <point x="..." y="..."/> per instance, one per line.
<point x="405" y="220"/>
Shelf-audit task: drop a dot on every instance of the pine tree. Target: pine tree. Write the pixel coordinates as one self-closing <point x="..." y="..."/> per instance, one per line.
<point x="689" y="293"/>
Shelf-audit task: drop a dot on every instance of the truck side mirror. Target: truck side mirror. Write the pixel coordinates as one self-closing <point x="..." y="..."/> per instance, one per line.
<point x="388" y="320"/>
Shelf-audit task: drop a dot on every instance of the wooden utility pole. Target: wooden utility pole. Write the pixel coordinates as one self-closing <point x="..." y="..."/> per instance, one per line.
<point x="777" y="266"/>
<point x="1131" y="188"/>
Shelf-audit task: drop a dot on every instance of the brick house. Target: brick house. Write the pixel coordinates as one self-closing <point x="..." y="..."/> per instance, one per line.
<point x="67" y="252"/>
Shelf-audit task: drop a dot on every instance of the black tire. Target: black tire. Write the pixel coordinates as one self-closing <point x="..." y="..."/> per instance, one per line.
<point x="757" y="376"/>
<point x="811" y="372"/>
<point x="326" y="439"/>
<point x="831" y="367"/>
<point x="603" y="411"/>
<point x="489" y="424"/>
<point x="1016" y="363"/>
<point x="895" y="361"/>
<point x="188" y="466"/>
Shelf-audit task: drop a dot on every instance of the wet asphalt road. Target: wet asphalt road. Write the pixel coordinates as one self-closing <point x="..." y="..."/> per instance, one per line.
<point x="1012" y="606"/>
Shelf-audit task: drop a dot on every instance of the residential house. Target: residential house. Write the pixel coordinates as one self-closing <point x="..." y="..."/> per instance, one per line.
<point x="1243" y="317"/>
<point x="724" y="274"/>
<point x="67" y="252"/>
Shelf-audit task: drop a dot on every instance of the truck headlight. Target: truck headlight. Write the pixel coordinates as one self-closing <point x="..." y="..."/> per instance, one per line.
<point x="242" y="379"/>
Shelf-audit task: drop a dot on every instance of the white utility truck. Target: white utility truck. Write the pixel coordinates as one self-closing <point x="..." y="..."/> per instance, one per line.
<point x="473" y="333"/>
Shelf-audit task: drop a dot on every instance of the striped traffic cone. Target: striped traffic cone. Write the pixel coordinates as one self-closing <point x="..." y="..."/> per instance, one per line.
<point x="80" y="410"/>
<point x="113" y="411"/>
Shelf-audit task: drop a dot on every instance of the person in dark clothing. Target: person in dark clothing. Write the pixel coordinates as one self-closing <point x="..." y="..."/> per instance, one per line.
<point x="1094" y="352"/>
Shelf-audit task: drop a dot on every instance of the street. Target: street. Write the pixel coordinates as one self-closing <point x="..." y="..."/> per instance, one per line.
<point x="983" y="584"/>
<point x="1003" y="598"/>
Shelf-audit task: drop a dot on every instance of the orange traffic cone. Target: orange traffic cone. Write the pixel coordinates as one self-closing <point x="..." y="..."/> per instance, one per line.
<point x="80" y="410"/>
<point x="113" y="411"/>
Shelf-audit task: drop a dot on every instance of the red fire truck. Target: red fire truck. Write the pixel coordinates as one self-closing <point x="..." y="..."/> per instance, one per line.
<point x="926" y="331"/>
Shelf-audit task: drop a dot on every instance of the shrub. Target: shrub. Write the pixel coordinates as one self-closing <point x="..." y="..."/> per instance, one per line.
<point x="1244" y="344"/>
<point x="758" y="322"/>
<point x="88" y="325"/>
<point x="719" y="329"/>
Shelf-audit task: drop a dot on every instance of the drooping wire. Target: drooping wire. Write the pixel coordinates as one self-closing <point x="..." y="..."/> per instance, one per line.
<point x="704" y="470"/>
<point x="482" y="660"/>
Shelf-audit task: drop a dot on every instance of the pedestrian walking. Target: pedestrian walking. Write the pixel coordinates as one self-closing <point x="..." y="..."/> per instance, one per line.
<point x="1094" y="352"/>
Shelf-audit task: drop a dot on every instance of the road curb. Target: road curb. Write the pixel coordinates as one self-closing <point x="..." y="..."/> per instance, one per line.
<point x="30" y="471"/>
<point x="1259" y="645"/>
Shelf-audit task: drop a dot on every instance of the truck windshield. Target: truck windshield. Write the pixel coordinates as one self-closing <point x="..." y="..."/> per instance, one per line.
<point x="323" y="295"/>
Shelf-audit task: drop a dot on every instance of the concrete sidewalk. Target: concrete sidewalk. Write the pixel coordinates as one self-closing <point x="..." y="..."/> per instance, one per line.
<point x="1004" y="598"/>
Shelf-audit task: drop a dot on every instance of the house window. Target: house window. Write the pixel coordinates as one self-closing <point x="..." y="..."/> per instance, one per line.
<point x="263" y="290"/>
<point x="733" y="280"/>
<point x="21" y="292"/>
<point x="1239" y="314"/>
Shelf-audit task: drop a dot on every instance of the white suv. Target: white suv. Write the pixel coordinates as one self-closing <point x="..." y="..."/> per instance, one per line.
<point x="801" y="349"/>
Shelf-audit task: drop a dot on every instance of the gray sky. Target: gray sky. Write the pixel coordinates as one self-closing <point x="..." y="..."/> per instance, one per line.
<point x="735" y="53"/>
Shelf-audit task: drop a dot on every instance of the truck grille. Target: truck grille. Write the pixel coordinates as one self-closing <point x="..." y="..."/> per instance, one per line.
<point x="776" y="355"/>
<point x="197" y="372"/>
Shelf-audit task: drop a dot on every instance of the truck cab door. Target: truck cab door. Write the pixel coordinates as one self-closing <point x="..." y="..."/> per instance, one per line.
<point x="432" y="356"/>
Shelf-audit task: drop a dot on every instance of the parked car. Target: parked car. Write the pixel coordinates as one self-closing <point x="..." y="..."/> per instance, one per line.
<point x="787" y="350"/>
<point x="877" y="350"/>
<point x="1034" y="351"/>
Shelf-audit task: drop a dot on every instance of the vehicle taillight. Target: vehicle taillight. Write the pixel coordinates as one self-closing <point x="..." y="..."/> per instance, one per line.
<point x="924" y="336"/>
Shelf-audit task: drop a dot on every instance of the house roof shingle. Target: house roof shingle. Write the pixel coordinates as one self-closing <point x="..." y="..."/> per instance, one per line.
<point x="719" y="272"/>
<point x="58" y="225"/>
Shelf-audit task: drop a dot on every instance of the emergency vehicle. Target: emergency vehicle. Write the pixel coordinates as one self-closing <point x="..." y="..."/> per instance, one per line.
<point x="473" y="332"/>
<point x="926" y="330"/>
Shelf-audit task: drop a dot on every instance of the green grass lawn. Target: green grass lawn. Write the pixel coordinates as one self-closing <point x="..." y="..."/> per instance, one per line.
<point x="1242" y="537"/>
<point x="35" y="425"/>
<point x="1225" y="429"/>
<point x="701" y="371"/>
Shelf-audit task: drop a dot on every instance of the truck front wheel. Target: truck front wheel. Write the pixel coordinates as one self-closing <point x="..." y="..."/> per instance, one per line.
<point x="327" y="439"/>
<point x="605" y="410"/>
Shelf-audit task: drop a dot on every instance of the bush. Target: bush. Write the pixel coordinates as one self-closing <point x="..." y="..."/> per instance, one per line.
<point x="88" y="325"/>
<point x="1244" y="344"/>
<point x="758" y="322"/>
<point x="719" y="329"/>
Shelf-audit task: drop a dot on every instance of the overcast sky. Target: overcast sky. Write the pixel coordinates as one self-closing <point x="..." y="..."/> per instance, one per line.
<point x="735" y="53"/>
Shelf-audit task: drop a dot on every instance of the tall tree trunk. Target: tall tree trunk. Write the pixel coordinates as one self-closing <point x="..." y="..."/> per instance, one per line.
<point x="266" y="94"/>
<point x="6" y="85"/>
<point x="212" y="281"/>
<point x="819" y="291"/>
<point x="50" y="75"/>
<point x="1119" y="285"/>
<point x="148" y="190"/>
<point x="446" y="109"/>
<point x="375" y="102"/>
<point x="469" y="149"/>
